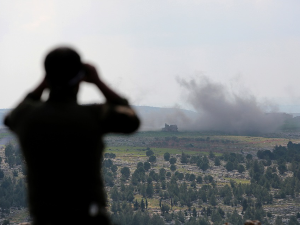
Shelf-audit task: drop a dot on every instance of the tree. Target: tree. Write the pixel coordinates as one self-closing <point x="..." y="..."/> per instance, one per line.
<point x="147" y="166"/>
<point x="5" y="222"/>
<point x="149" y="190"/>
<point x="164" y="208"/>
<point x="109" y="155"/>
<point x="136" y="205"/>
<point x="156" y="220"/>
<point x="114" y="208"/>
<point x="203" y="221"/>
<point x="203" y="165"/>
<point x="278" y="221"/>
<point x="192" y="177"/>
<point x="205" y="159"/>
<point x="149" y="152"/>
<point x="162" y="172"/>
<point x="180" y="216"/>
<point x="241" y="168"/>
<point x="199" y="179"/>
<point x="213" y="200"/>
<point x="130" y="197"/>
<point x="203" y="196"/>
<point x="293" y="221"/>
<point x="229" y="166"/>
<point x="282" y="168"/>
<point x="107" y="163"/>
<point x="193" y="184"/>
<point x="152" y="159"/>
<point x="184" y="158"/>
<point x="180" y="176"/>
<point x="216" y="217"/>
<point x="244" y="204"/>
<point x="9" y="150"/>
<point x="187" y="176"/>
<point x="142" y="205"/>
<point x="125" y="171"/>
<point x="114" y="194"/>
<point x="208" y="178"/>
<point x="208" y="211"/>
<point x="114" y="168"/>
<point x="163" y="185"/>
<point x="211" y="155"/>
<point x="167" y="156"/>
<point x="173" y="160"/>
<point x="234" y="218"/>
<point x="140" y="164"/>
<point x="257" y="170"/>
<point x="217" y="161"/>
<point x="149" y="180"/>
<point x="15" y="173"/>
<point x="109" y="179"/>
<point x="11" y="160"/>
<point x="194" y="212"/>
<point x="168" y="217"/>
<point x="173" y="168"/>
<point x="249" y="157"/>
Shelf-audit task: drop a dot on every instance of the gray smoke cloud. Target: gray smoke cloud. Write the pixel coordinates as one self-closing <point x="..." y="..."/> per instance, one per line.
<point x="216" y="108"/>
<point x="220" y="108"/>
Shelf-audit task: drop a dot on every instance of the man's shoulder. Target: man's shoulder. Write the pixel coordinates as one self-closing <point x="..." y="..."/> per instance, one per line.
<point x="100" y="110"/>
<point x="20" y="111"/>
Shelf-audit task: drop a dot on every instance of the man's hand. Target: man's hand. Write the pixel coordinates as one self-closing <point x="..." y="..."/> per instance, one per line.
<point x="44" y="84"/>
<point x="38" y="91"/>
<point x="91" y="74"/>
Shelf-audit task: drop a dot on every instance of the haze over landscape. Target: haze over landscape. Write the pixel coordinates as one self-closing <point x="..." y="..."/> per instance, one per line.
<point x="225" y="73"/>
<point x="143" y="47"/>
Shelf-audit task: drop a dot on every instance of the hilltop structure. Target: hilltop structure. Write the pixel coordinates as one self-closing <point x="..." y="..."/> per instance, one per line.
<point x="170" y="128"/>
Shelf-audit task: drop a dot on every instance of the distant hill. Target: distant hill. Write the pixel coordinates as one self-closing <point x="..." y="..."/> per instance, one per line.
<point x="153" y="118"/>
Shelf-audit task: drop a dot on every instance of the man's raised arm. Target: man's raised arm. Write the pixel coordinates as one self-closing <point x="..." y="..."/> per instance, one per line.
<point x="123" y="118"/>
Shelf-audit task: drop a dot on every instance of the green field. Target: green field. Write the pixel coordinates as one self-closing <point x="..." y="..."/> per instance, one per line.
<point x="193" y="143"/>
<point x="138" y="151"/>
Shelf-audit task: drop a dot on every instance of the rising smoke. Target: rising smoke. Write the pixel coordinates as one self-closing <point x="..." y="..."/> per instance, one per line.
<point x="216" y="108"/>
<point x="221" y="109"/>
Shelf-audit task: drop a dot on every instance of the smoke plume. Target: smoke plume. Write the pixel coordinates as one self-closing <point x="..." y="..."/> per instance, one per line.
<point x="221" y="109"/>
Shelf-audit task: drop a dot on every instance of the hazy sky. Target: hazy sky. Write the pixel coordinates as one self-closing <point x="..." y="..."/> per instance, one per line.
<point x="143" y="47"/>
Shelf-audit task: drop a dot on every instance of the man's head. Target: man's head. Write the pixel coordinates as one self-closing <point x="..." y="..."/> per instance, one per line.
<point x="63" y="67"/>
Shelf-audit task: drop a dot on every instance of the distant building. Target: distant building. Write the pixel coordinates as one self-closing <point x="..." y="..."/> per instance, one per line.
<point x="170" y="128"/>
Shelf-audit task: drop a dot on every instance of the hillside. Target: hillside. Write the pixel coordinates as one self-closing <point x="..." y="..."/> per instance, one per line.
<point x="153" y="118"/>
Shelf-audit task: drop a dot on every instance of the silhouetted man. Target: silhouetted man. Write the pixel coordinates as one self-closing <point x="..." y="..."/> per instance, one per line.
<point x="62" y="142"/>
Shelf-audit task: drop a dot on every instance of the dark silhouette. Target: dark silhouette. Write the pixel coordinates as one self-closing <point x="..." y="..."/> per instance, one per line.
<point x="62" y="142"/>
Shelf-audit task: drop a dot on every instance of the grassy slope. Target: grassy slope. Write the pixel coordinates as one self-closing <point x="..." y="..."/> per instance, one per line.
<point x="131" y="153"/>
